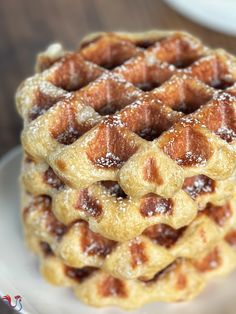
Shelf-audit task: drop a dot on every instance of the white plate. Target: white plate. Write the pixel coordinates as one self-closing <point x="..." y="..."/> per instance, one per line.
<point x="218" y="15"/>
<point x="19" y="273"/>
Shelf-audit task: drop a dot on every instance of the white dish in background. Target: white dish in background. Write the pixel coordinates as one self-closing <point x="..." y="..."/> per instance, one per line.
<point x="218" y="15"/>
<point x="19" y="274"/>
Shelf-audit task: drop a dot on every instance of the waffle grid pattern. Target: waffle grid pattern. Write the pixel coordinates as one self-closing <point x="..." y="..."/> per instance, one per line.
<point x="144" y="256"/>
<point x="182" y="280"/>
<point x="130" y="145"/>
<point x="197" y="192"/>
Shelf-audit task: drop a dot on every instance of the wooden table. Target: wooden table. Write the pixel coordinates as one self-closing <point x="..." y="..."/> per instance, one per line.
<point x="27" y="27"/>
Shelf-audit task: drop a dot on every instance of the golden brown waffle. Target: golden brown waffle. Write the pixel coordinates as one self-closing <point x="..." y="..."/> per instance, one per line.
<point x="93" y="116"/>
<point x="143" y="256"/>
<point x="92" y="123"/>
<point x="132" y="216"/>
<point x="181" y="280"/>
<point x="129" y="166"/>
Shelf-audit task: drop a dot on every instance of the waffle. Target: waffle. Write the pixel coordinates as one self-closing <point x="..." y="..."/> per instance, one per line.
<point x="92" y="123"/>
<point x="143" y="256"/>
<point x="79" y="109"/>
<point x="129" y="165"/>
<point x="197" y="192"/>
<point x="181" y="280"/>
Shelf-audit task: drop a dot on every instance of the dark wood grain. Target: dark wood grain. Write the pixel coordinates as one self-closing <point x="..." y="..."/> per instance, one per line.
<point x="27" y="27"/>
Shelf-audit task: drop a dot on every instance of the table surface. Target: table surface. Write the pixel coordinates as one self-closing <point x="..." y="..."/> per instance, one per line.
<point x="27" y="27"/>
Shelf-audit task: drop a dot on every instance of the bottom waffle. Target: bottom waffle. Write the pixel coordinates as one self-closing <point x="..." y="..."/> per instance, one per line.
<point x="182" y="280"/>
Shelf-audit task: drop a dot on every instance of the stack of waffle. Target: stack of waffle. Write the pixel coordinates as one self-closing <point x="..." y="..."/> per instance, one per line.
<point x="128" y="191"/>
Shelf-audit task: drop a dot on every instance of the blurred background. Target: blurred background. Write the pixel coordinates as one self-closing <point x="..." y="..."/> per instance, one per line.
<point x="27" y="27"/>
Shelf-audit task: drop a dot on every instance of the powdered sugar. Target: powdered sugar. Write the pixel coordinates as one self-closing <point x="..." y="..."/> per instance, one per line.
<point x="109" y="161"/>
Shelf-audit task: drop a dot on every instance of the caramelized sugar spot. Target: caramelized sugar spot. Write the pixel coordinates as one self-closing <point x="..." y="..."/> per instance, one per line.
<point x="209" y="262"/>
<point x="226" y="117"/>
<point x="220" y="116"/>
<point x="54" y="226"/>
<point x="114" y="189"/>
<point x="193" y="100"/>
<point x="46" y="249"/>
<point x="230" y="238"/>
<point x="109" y="94"/>
<point x="61" y="165"/>
<point x="198" y="185"/>
<point x="79" y="274"/>
<point x="69" y="136"/>
<point x="52" y="179"/>
<point x="213" y="71"/>
<point x="89" y="204"/>
<point x="163" y="234"/>
<point x="66" y="130"/>
<point x="150" y="171"/>
<point x="113" y="287"/>
<point x="152" y="205"/>
<point x="42" y="203"/>
<point x="187" y="146"/>
<point x="108" y="51"/>
<point x="94" y="244"/>
<point x="220" y="214"/>
<point x="110" y="148"/>
<point x="42" y="103"/>
<point x="148" y="118"/>
<point x="182" y="281"/>
<point x="73" y="72"/>
<point x="138" y="256"/>
<point x="184" y="94"/>
<point x="176" y="50"/>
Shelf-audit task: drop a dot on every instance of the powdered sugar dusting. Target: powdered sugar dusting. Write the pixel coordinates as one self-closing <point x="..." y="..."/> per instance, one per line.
<point x="109" y="161"/>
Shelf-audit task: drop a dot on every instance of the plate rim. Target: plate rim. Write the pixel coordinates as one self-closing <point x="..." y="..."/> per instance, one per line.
<point x="9" y="156"/>
<point x="179" y="7"/>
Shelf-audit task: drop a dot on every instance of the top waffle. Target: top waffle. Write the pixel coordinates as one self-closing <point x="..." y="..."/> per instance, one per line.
<point x="145" y="110"/>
